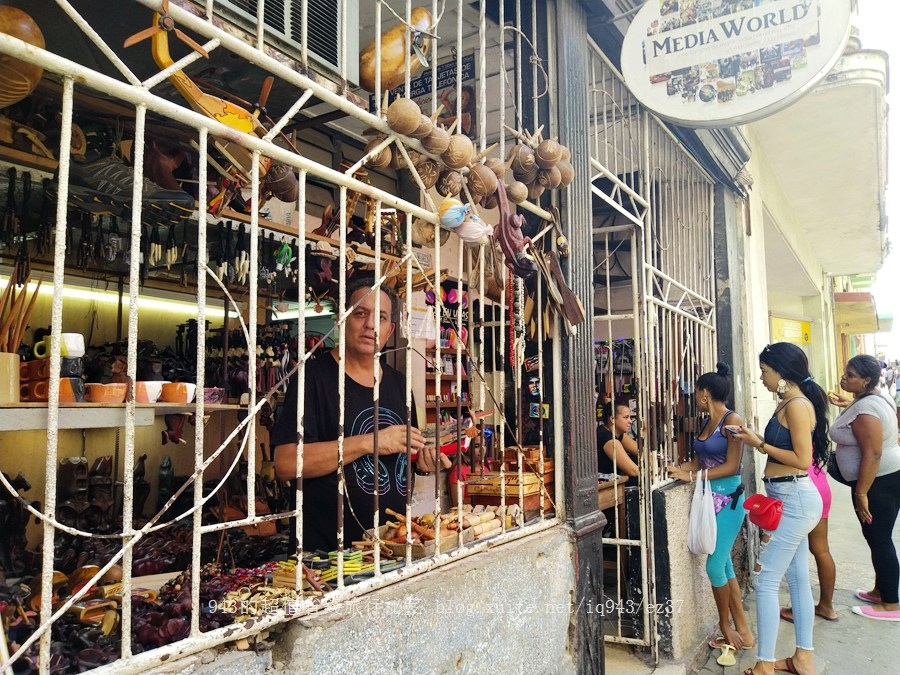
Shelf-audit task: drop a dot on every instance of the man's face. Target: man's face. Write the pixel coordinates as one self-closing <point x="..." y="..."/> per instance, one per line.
<point x="361" y="325"/>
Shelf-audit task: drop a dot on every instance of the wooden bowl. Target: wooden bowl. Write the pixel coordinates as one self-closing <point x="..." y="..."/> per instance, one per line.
<point x="105" y="393"/>
<point x="147" y="391"/>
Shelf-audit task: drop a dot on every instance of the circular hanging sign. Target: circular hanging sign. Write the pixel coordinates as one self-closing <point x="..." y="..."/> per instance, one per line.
<point x="718" y="63"/>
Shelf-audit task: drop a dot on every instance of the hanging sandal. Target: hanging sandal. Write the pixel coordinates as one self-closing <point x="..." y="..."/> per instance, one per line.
<point x="727" y="656"/>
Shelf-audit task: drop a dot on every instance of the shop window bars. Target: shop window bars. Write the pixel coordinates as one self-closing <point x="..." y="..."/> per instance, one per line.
<point x="131" y="91"/>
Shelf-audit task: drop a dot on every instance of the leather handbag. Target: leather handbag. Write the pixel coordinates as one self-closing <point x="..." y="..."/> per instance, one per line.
<point x="763" y="511"/>
<point x="835" y="471"/>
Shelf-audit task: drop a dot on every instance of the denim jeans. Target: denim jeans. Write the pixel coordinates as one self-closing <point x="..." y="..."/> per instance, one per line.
<point x="787" y="553"/>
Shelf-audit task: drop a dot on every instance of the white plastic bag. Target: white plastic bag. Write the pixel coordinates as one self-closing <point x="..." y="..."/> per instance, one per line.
<point x="701" y="537"/>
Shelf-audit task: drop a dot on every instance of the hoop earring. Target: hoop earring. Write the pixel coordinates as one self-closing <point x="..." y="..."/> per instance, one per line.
<point x="782" y="386"/>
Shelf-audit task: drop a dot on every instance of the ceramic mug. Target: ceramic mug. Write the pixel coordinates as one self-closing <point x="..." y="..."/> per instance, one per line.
<point x="72" y="366"/>
<point x="71" y="390"/>
<point x="71" y="345"/>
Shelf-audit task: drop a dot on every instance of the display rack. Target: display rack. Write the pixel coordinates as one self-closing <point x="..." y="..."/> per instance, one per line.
<point x="33" y="416"/>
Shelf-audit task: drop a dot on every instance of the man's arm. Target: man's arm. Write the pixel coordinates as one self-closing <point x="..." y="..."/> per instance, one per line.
<point x="321" y="458"/>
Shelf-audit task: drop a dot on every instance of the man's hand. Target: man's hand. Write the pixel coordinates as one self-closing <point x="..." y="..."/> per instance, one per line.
<point x="426" y="462"/>
<point x="392" y="440"/>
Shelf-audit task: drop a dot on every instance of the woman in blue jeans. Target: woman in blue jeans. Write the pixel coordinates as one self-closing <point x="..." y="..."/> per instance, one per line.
<point x="795" y="436"/>
<point x="720" y="454"/>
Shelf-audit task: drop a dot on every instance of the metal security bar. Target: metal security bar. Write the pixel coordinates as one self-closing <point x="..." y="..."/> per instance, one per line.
<point x="654" y="326"/>
<point x="237" y="151"/>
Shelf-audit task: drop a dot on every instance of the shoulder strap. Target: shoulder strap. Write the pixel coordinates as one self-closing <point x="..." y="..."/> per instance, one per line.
<point x="728" y="413"/>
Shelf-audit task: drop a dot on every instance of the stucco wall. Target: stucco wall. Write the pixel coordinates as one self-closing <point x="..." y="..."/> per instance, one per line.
<point x="505" y="610"/>
<point x="681" y="579"/>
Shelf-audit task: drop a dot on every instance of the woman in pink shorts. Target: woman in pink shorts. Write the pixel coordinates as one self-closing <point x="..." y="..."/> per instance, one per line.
<point x="818" y="546"/>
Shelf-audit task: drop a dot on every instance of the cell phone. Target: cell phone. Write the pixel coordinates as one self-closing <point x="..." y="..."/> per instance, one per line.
<point x="731" y="429"/>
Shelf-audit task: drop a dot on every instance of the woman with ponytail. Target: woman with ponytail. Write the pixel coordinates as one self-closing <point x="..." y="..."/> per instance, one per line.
<point x="795" y="437"/>
<point x="719" y="453"/>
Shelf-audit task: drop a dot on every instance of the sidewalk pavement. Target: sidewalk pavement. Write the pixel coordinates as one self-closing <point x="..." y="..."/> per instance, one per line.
<point x="852" y="644"/>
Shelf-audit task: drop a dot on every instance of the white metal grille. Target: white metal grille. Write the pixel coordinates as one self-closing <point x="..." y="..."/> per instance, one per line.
<point x="218" y="449"/>
<point x="654" y="324"/>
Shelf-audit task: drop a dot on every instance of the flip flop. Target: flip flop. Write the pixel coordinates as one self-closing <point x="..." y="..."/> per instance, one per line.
<point x="788" y="667"/>
<point x="785" y="616"/>
<point x="727" y="657"/>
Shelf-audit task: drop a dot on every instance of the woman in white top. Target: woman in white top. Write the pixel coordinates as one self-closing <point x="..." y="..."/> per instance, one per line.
<point x="865" y="436"/>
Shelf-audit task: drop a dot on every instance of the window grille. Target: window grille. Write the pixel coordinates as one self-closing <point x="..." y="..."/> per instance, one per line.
<point x="245" y="265"/>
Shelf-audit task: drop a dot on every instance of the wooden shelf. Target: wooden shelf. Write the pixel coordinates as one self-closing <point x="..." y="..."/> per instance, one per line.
<point x="33" y="416"/>
<point x="291" y="231"/>
<point x="429" y="377"/>
<point x="447" y="404"/>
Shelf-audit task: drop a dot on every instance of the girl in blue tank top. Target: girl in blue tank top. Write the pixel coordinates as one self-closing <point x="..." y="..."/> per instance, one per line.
<point x="717" y="452"/>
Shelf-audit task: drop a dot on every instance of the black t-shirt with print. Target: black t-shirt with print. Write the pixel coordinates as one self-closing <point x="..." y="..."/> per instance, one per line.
<point x="321" y="424"/>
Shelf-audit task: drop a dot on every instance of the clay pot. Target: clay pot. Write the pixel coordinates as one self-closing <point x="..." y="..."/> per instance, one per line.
<point x="436" y="141"/>
<point x="547" y="154"/>
<point x="460" y="151"/>
<point x="566" y="172"/>
<point x="482" y="181"/>
<point x="404" y="116"/>
<point x="382" y="158"/>
<point x="449" y="183"/>
<point x="565" y="153"/>
<point x="517" y="192"/>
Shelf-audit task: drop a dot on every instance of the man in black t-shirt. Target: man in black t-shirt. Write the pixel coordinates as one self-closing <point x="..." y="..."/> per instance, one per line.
<point x="363" y="474"/>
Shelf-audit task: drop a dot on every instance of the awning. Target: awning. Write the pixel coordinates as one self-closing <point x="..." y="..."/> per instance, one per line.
<point x="855" y="313"/>
<point x="885" y="323"/>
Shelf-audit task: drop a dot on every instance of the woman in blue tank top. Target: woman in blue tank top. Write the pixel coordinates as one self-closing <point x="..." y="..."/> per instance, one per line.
<point x="718" y="452"/>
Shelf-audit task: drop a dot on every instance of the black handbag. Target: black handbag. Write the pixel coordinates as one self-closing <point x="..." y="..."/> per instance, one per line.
<point x="835" y="471"/>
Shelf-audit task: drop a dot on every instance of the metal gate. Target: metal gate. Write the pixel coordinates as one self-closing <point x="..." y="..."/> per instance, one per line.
<point x="654" y="323"/>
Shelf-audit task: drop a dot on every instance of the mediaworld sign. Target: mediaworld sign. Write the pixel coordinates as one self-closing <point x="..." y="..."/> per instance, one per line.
<point x="715" y="63"/>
